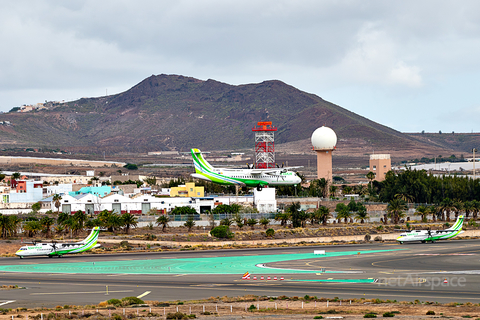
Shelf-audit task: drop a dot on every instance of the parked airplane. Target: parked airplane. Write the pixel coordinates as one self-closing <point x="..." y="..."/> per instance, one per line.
<point x="432" y="235"/>
<point x="257" y="178"/>
<point x="59" y="249"/>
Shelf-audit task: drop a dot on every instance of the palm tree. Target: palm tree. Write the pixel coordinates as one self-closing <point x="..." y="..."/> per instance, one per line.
<point x="458" y="207"/>
<point x="5" y="225"/>
<point x="32" y="227"/>
<point x="226" y="222"/>
<point x="129" y="220"/>
<point x="56" y="199"/>
<point x="362" y="213"/>
<point x="395" y="209"/>
<point x="332" y="190"/>
<point x="423" y="212"/>
<point x="446" y="206"/>
<point x="47" y="224"/>
<point x="163" y="221"/>
<point x="283" y="218"/>
<point x="190" y="223"/>
<point x="469" y="207"/>
<point x="323" y="214"/>
<point x="370" y="176"/>
<point x="342" y="212"/>
<point x="264" y="222"/>
<point x="16" y="175"/>
<point x="294" y="211"/>
<point x="238" y="220"/>
<point x="14" y="223"/>
<point x="476" y="208"/>
<point x="252" y="222"/>
<point x="80" y="218"/>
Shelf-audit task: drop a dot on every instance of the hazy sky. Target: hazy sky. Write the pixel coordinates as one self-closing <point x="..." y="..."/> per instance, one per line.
<point x="410" y="65"/>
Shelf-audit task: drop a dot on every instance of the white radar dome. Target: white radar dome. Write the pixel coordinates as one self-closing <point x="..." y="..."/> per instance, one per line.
<point x="324" y="138"/>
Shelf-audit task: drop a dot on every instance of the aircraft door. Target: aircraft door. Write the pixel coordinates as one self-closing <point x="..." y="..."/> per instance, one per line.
<point x="145" y="208"/>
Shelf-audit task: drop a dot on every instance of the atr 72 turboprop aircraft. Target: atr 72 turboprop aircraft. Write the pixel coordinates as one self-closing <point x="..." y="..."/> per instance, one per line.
<point x="257" y="178"/>
<point x="59" y="249"/>
<point x="432" y="235"/>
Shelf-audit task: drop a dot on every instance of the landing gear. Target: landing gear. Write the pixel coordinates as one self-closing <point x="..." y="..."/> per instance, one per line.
<point x="401" y="242"/>
<point x="21" y="257"/>
<point x="50" y="256"/>
<point x="423" y="241"/>
<point x="259" y="188"/>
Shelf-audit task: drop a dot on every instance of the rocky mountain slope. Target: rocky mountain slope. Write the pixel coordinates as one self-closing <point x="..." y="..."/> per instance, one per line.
<point x="171" y="112"/>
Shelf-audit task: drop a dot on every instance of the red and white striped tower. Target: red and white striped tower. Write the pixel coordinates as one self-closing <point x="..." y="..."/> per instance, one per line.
<point x="264" y="145"/>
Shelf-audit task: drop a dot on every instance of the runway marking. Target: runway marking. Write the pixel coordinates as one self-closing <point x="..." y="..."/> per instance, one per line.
<point x="116" y="275"/>
<point x="179" y="275"/>
<point x="7" y="302"/>
<point x="143" y="294"/>
<point x="210" y="285"/>
<point x="85" y="292"/>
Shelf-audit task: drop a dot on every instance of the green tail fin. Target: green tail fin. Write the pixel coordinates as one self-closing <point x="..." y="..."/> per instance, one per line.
<point x="201" y="165"/>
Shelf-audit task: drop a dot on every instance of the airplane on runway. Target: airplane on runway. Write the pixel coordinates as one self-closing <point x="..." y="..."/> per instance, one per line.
<point x="432" y="235"/>
<point x="257" y="178"/>
<point x="59" y="249"/>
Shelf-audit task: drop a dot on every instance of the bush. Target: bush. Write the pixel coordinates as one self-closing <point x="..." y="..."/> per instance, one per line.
<point x="378" y="238"/>
<point x="388" y="315"/>
<point x="318" y="317"/>
<point x="114" y="302"/>
<point x="430" y="313"/>
<point x="221" y="232"/>
<point x="367" y="237"/>
<point x="127" y="301"/>
<point x="370" y="315"/>
<point x="176" y="315"/>
<point x="270" y="233"/>
<point x="252" y="308"/>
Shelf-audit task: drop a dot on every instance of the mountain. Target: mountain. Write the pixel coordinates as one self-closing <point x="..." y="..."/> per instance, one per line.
<point x="172" y="112"/>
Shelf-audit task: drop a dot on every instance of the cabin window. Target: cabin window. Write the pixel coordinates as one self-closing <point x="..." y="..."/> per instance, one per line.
<point x="66" y="201"/>
<point x="116" y="200"/>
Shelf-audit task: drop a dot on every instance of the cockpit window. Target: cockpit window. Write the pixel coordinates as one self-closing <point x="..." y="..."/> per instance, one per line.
<point x="23" y="248"/>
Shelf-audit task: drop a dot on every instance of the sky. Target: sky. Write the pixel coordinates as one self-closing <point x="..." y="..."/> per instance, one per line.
<point x="409" y="65"/>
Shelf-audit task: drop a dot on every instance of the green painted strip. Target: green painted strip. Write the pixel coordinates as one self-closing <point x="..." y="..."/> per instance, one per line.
<point x="339" y="280"/>
<point x="215" y="265"/>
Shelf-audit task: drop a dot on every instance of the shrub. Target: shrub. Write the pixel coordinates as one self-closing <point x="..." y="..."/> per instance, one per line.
<point x="380" y="228"/>
<point x="221" y="232"/>
<point x="388" y="315"/>
<point x="430" y="313"/>
<point x="127" y="301"/>
<point x="367" y="237"/>
<point x="378" y="238"/>
<point x="252" y="308"/>
<point x="318" y="317"/>
<point x="114" y="302"/>
<point x="176" y="315"/>
<point x="270" y="233"/>
<point x="370" y="315"/>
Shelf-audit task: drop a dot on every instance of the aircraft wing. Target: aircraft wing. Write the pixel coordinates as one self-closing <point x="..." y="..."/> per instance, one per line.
<point x="273" y="171"/>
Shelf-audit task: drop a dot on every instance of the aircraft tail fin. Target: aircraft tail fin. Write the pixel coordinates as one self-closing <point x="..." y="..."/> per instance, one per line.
<point x="201" y="165"/>
<point x="92" y="237"/>
<point x="458" y="224"/>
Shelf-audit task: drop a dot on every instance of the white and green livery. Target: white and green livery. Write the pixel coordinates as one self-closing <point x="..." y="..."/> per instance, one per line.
<point x="256" y="178"/>
<point x="59" y="249"/>
<point x="432" y="235"/>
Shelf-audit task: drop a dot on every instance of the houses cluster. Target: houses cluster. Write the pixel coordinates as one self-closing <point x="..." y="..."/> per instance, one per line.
<point x="92" y="195"/>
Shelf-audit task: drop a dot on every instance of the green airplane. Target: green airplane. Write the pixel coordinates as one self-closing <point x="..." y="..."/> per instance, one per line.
<point x="255" y="178"/>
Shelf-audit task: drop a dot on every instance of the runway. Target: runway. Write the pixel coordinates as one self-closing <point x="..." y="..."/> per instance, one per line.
<point x="377" y="270"/>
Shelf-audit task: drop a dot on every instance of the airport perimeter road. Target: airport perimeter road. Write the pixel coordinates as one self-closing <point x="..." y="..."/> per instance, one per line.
<point x="378" y="270"/>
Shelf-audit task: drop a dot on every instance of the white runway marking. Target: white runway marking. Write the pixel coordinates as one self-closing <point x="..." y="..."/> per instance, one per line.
<point x="7" y="302"/>
<point x="144" y="294"/>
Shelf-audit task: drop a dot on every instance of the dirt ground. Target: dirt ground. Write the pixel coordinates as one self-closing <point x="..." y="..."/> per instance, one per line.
<point x="264" y="309"/>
